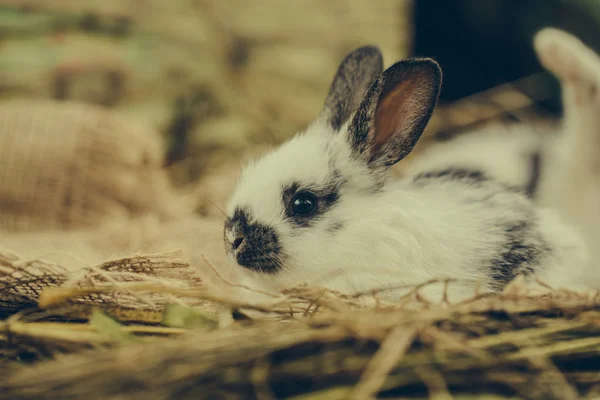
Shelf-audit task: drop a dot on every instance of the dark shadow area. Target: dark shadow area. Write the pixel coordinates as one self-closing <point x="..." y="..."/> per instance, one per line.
<point x="482" y="44"/>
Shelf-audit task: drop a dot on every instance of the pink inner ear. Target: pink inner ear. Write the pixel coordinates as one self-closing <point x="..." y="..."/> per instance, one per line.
<point x="395" y="112"/>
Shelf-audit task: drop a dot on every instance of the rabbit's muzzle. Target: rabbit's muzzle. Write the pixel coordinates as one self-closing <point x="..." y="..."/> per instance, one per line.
<point x="252" y="244"/>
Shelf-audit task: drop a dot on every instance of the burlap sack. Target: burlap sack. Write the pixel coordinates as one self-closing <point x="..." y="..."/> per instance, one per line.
<point x="70" y="165"/>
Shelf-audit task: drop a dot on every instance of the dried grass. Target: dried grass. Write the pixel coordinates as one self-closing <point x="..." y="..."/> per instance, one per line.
<point x="531" y="342"/>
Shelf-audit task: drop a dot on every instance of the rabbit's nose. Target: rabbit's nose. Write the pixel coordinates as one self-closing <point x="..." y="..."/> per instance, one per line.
<point x="237" y="243"/>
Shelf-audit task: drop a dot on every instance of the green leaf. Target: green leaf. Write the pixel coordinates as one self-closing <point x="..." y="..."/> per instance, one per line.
<point x="178" y="316"/>
<point x="110" y="328"/>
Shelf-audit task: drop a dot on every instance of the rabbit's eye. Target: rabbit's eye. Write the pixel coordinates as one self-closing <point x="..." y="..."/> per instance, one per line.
<point x="304" y="203"/>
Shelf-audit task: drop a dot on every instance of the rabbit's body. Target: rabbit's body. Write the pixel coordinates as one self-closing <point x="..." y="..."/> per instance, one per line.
<point x="321" y="209"/>
<point x="440" y="222"/>
<point x="557" y="168"/>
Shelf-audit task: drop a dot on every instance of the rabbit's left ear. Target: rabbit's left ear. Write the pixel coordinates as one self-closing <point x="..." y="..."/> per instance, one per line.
<point x="354" y="76"/>
<point x="395" y="111"/>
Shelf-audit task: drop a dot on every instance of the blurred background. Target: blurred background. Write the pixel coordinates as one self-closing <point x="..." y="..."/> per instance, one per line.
<point x="108" y="105"/>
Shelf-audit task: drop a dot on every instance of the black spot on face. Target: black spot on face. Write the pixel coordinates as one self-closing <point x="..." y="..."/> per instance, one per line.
<point x="327" y="196"/>
<point x="256" y="245"/>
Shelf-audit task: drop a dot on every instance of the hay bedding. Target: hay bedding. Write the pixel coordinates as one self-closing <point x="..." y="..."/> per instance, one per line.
<point x="527" y="342"/>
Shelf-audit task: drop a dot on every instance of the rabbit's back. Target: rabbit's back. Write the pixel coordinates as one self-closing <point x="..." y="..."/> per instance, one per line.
<point x="516" y="236"/>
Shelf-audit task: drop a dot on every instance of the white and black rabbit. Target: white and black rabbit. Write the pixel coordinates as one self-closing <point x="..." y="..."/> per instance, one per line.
<point x="322" y="209"/>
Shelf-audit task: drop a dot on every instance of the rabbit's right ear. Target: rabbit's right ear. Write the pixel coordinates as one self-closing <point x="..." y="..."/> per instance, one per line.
<point x="395" y="112"/>
<point x="355" y="74"/>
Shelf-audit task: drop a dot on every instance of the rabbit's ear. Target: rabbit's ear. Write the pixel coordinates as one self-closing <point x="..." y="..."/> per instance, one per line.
<point x="395" y="111"/>
<point x="354" y="76"/>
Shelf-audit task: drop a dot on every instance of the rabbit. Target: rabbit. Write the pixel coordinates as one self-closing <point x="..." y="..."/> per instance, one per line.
<point x="559" y="169"/>
<point x="322" y="208"/>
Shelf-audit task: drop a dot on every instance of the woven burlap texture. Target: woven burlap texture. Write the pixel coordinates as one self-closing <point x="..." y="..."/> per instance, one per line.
<point x="71" y="165"/>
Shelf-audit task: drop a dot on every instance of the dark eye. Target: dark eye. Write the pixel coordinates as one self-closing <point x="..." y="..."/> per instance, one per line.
<point x="304" y="203"/>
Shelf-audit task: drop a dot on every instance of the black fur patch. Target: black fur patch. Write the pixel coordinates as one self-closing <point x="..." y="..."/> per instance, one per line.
<point x="523" y="248"/>
<point x="260" y="250"/>
<point x="452" y="173"/>
<point x="522" y="251"/>
<point x="328" y="196"/>
<point x="536" y="167"/>
<point x="466" y="176"/>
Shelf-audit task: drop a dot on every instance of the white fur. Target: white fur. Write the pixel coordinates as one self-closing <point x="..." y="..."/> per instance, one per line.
<point x="407" y="234"/>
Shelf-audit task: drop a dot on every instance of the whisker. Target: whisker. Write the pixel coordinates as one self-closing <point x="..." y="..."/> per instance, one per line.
<point x="218" y="208"/>
<point x="216" y="271"/>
